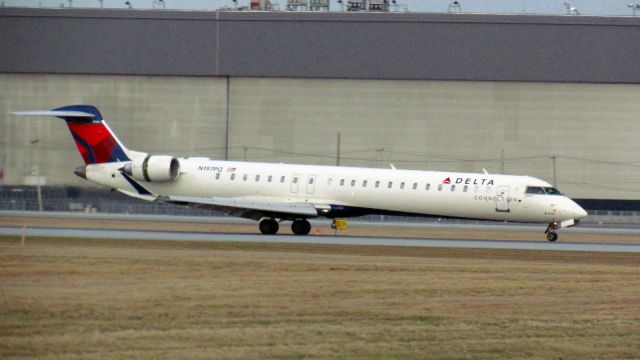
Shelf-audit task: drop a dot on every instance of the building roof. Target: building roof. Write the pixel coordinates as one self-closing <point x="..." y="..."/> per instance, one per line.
<point x="408" y="46"/>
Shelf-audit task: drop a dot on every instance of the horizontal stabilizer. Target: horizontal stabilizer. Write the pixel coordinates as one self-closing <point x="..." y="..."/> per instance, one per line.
<point x="55" y="113"/>
<point x="248" y="208"/>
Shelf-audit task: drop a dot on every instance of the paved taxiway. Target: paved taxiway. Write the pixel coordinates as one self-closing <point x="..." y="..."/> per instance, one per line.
<point x="323" y="240"/>
<point x="17" y="217"/>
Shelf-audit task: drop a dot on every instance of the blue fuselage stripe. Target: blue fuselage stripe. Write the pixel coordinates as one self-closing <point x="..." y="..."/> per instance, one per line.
<point x="141" y="190"/>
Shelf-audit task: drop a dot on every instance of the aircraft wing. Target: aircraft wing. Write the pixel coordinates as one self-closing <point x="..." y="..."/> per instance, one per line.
<point x="251" y="209"/>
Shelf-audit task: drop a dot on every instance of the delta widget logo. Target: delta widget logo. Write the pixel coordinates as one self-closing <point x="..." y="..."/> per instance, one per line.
<point x="468" y="181"/>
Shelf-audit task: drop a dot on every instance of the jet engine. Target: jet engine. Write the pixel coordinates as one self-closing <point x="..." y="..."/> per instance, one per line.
<point x="154" y="168"/>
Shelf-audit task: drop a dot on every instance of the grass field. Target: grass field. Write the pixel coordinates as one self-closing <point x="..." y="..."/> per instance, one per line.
<point x="102" y="299"/>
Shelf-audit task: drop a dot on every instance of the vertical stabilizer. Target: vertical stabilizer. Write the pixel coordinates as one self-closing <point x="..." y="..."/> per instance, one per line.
<point x="93" y="137"/>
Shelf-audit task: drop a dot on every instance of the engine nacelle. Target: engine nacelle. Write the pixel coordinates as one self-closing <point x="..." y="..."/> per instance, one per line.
<point x="154" y="168"/>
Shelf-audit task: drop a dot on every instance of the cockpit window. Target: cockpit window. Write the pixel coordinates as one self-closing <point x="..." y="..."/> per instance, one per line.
<point x="538" y="190"/>
<point x="535" y="190"/>
<point x="552" y="191"/>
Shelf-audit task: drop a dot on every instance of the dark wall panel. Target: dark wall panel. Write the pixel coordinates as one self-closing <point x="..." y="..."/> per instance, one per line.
<point x="432" y="50"/>
<point x="323" y="45"/>
<point x="111" y="45"/>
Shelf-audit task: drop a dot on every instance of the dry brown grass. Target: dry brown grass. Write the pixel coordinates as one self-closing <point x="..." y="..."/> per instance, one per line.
<point x="100" y="299"/>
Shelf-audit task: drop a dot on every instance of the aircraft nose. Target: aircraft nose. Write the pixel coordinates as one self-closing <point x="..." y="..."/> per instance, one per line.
<point x="578" y="211"/>
<point x="581" y="212"/>
<point x="81" y="171"/>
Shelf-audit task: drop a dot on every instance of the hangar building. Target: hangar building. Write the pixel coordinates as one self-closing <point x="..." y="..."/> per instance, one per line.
<point x="556" y="97"/>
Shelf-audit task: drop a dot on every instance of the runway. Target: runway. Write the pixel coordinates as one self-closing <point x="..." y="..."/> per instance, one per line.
<point x="320" y="240"/>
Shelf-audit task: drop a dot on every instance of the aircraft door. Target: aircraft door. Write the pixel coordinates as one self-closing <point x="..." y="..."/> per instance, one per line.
<point x="311" y="184"/>
<point x="502" y="199"/>
<point x="295" y="183"/>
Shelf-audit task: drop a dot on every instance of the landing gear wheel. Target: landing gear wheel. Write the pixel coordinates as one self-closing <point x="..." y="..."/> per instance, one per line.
<point x="269" y="226"/>
<point x="301" y="227"/>
<point x="552" y="236"/>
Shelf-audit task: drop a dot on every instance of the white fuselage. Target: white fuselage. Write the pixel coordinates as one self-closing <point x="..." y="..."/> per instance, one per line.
<point x="347" y="190"/>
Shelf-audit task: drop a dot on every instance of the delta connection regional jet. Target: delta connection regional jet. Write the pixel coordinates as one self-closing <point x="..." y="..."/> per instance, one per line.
<point x="273" y="193"/>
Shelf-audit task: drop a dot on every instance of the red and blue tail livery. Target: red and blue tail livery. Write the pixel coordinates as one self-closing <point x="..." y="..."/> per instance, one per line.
<point x="93" y="137"/>
<point x="95" y="141"/>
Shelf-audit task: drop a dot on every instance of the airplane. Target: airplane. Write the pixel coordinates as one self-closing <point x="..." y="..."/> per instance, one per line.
<point x="273" y="193"/>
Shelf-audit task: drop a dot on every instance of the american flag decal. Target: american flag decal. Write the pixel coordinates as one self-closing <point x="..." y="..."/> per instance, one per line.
<point x="231" y="169"/>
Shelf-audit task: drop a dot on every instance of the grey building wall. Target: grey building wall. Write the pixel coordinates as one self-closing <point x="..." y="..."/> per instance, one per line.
<point x="321" y="45"/>
<point x="591" y="129"/>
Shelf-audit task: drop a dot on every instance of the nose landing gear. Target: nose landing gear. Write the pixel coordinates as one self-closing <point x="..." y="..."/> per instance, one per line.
<point x="551" y="231"/>
<point x="555" y="225"/>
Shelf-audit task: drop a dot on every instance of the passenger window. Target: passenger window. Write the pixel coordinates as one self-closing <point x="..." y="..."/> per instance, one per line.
<point x="269" y="178"/>
<point x="282" y="179"/>
<point x="427" y="187"/>
<point x="353" y="183"/>
<point x="217" y="176"/>
<point x="341" y="182"/>
<point x="465" y="188"/>
<point x="295" y="180"/>
<point x="330" y="181"/>
<point x="244" y="177"/>
<point x="257" y="178"/>
<point x="453" y="188"/>
<point x="402" y="185"/>
<point x="488" y="189"/>
<point x="377" y="183"/>
<point x="310" y="181"/>
<point x="476" y="189"/>
<point x="439" y="187"/>
<point x="364" y="183"/>
<point x="233" y="177"/>
<point x="415" y="186"/>
<point x="390" y="184"/>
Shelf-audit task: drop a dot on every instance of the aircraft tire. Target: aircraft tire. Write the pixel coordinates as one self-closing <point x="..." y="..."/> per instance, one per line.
<point x="269" y="226"/>
<point x="301" y="227"/>
<point x="552" y="236"/>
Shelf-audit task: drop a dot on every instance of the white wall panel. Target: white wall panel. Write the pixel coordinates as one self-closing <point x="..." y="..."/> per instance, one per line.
<point x="592" y="129"/>
<point x="175" y="115"/>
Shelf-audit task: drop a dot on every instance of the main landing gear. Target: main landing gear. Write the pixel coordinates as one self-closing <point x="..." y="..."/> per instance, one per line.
<point x="269" y="226"/>
<point x="298" y="227"/>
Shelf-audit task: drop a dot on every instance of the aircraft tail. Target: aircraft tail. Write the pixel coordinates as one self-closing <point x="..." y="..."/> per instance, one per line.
<point x="93" y="137"/>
